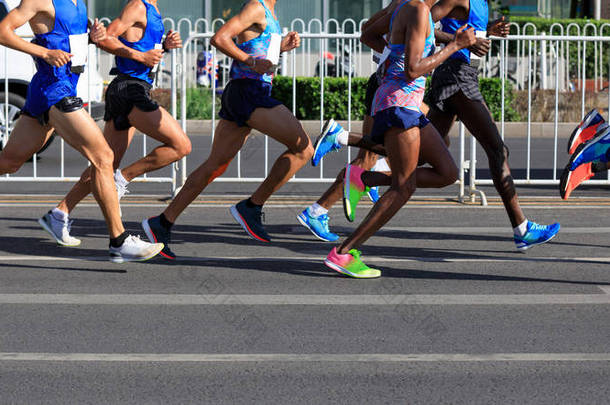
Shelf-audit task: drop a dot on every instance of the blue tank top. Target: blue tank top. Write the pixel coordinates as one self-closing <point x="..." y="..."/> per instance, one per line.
<point x="153" y="34"/>
<point x="478" y="18"/>
<point x="257" y="48"/>
<point x="394" y="90"/>
<point x="70" y="19"/>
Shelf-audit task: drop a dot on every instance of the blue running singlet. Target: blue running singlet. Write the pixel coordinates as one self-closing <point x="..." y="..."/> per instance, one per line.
<point x="153" y="34"/>
<point x="51" y="84"/>
<point x="478" y="18"/>
<point x="394" y="90"/>
<point x="257" y="48"/>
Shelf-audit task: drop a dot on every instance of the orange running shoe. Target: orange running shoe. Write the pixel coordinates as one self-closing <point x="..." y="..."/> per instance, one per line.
<point x="585" y="130"/>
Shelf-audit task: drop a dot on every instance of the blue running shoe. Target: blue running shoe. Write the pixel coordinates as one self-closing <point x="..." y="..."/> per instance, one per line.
<point x="595" y="150"/>
<point x="327" y="141"/>
<point x="536" y="235"/>
<point x="250" y="219"/>
<point x="157" y="233"/>
<point x="318" y="226"/>
<point x="373" y="194"/>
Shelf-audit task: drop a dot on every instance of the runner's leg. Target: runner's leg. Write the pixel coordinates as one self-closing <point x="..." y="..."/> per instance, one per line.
<point x="118" y="141"/>
<point x="477" y="118"/>
<point x="161" y="126"/>
<point x="26" y="139"/>
<point x="279" y="123"/>
<point x="228" y="140"/>
<point x="82" y="133"/>
<point x="403" y="149"/>
<point x="365" y="159"/>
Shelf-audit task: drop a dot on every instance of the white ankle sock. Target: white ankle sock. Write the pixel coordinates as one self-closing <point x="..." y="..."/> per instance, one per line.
<point x="343" y="138"/>
<point x="59" y="214"/>
<point x="521" y="229"/>
<point x="118" y="177"/>
<point x="316" y="210"/>
<point x="381" y="166"/>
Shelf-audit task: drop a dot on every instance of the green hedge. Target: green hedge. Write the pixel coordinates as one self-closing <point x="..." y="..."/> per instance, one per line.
<point x="336" y="97"/>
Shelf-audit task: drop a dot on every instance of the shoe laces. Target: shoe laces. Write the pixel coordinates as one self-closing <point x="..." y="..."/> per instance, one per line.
<point x="355" y="254"/>
<point x="122" y="190"/>
<point x="324" y="221"/>
<point x="537" y="227"/>
<point x="134" y="239"/>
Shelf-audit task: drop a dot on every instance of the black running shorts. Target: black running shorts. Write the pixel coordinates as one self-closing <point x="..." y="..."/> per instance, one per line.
<point x="448" y="79"/>
<point x="123" y="94"/>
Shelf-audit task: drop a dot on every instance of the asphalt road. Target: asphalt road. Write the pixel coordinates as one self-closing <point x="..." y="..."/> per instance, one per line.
<point x="458" y="317"/>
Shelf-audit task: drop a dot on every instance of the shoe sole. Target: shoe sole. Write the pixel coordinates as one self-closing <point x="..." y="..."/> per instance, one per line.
<point x="346" y="184"/>
<point x="121" y="259"/>
<point x="523" y="249"/>
<point x="345" y="272"/>
<point x="237" y="216"/>
<point x="311" y="230"/>
<point x="563" y="183"/>
<point x="583" y="147"/>
<point x="580" y="128"/>
<point x="44" y="226"/>
<point x="153" y="239"/>
<point x="316" y="145"/>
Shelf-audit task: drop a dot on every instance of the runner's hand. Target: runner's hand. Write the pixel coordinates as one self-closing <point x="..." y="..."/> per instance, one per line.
<point x="499" y="28"/>
<point x="97" y="32"/>
<point x="172" y="40"/>
<point x="57" y="57"/>
<point x="464" y="37"/>
<point x="291" y="41"/>
<point x="481" y="47"/>
<point x="152" y="57"/>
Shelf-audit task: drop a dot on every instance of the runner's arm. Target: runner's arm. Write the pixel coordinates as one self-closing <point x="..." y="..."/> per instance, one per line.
<point x="252" y="13"/>
<point x="130" y="16"/>
<point x="439" y="11"/>
<point x="19" y="16"/>
<point x="417" y="24"/>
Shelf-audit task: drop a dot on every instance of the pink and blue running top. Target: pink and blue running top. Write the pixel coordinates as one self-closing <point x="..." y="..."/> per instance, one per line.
<point x="52" y="84"/>
<point x="257" y="48"/>
<point x="153" y="34"/>
<point x="478" y="18"/>
<point x="395" y="90"/>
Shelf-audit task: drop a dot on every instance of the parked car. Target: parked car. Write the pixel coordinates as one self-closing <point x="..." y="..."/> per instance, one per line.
<point x="18" y="68"/>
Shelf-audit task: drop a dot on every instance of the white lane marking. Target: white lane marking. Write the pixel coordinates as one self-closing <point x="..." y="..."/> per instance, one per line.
<point x="312" y="300"/>
<point x="320" y="259"/>
<point x="605" y="289"/>
<point x="301" y="206"/>
<point x="292" y="358"/>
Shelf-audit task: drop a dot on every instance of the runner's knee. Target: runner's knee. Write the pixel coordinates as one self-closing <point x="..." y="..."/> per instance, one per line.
<point x="103" y="159"/>
<point x="184" y="147"/>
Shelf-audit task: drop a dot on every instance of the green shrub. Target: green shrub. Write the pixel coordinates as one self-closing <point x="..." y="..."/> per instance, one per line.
<point x="199" y="104"/>
<point x="336" y="96"/>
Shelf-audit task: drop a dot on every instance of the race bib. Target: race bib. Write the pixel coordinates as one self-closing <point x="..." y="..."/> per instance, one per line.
<point x="156" y="67"/>
<point x="382" y="57"/>
<point x="273" y="53"/>
<point x="79" y="48"/>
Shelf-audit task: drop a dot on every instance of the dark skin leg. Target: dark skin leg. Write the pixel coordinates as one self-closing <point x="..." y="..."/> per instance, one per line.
<point x="403" y="150"/>
<point x="476" y="117"/>
<point x="365" y="159"/>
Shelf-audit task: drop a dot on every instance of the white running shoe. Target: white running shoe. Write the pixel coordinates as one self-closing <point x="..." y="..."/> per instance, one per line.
<point x="59" y="230"/>
<point x="121" y="188"/>
<point x="135" y="249"/>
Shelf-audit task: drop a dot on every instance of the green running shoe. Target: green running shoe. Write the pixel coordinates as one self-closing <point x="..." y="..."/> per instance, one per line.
<point x="353" y="190"/>
<point x="350" y="264"/>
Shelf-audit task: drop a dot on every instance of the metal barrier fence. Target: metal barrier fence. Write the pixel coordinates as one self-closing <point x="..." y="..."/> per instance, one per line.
<point x="530" y="62"/>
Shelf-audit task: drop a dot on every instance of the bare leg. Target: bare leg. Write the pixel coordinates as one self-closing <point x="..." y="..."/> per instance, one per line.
<point x="281" y="125"/>
<point x="477" y="118"/>
<point x="443" y="170"/>
<point x="80" y="131"/>
<point x="118" y="141"/>
<point x="161" y="126"/>
<point x="228" y="140"/>
<point x="442" y="122"/>
<point x="27" y="138"/>
<point x="365" y="160"/>
<point x="403" y="150"/>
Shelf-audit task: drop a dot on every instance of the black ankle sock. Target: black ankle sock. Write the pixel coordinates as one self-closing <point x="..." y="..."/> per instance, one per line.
<point x="250" y="204"/>
<point x="165" y="223"/>
<point x="118" y="241"/>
